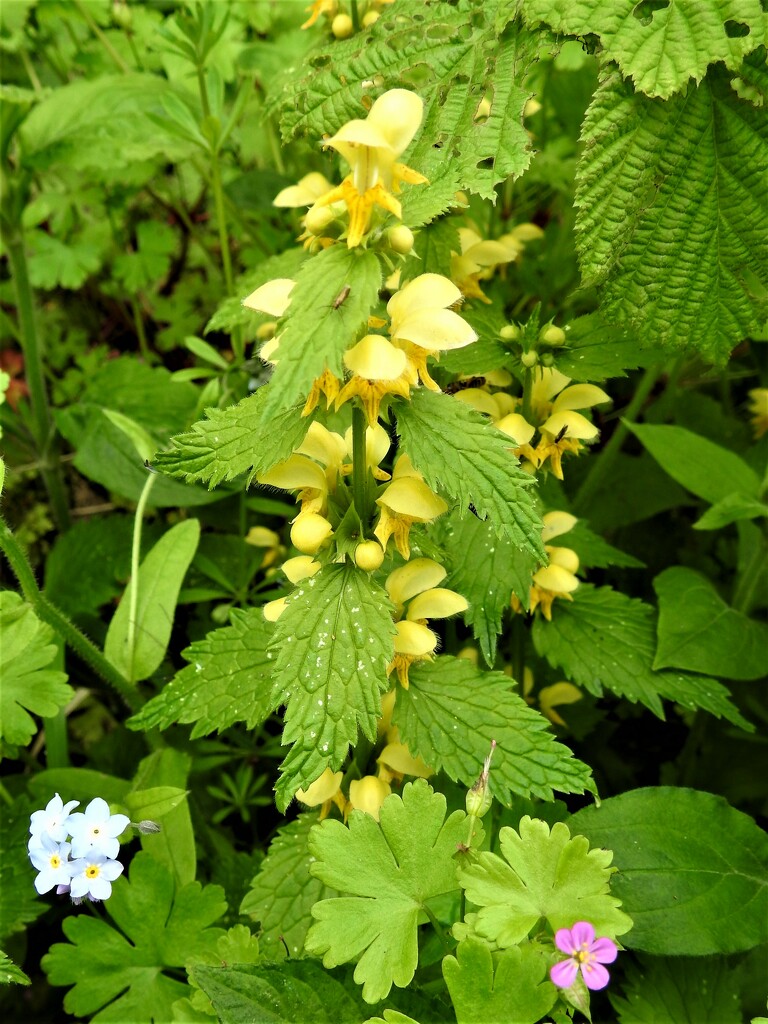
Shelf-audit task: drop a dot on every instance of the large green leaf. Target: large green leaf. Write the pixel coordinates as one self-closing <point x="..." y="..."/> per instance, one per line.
<point x="671" y="214"/>
<point x="678" y="990"/>
<point x="693" y="872"/>
<point x="174" y="846"/>
<point x="515" y="989"/>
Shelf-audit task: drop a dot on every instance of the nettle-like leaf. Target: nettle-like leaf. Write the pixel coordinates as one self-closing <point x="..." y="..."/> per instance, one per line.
<point x="334" y="293"/>
<point x="10" y="973"/>
<point x="331" y="648"/>
<point x="597" y="351"/>
<point x="243" y="438"/>
<point x="452" y="711"/>
<point x="672" y="221"/>
<point x="512" y="986"/>
<point x="432" y="250"/>
<point x="541" y="874"/>
<point x="390" y="869"/>
<point x="29" y="686"/>
<point x="458" y="451"/>
<point x="663" y="51"/>
<point x="596" y="553"/>
<point x="692" y="870"/>
<point x="122" y="973"/>
<point x="227" y="681"/>
<point x="283" y="892"/>
<point x="485" y="354"/>
<point x="680" y="990"/>
<point x="604" y="640"/>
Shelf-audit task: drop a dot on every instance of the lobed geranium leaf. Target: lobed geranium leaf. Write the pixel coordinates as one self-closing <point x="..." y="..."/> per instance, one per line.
<point x="29" y="686"/>
<point x="121" y="975"/>
<point x="692" y="870"/>
<point x="331" y="648"/>
<point x="452" y="711"/>
<point x="663" y="51"/>
<point x="541" y="874"/>
<point x="678" y="991"/>
<point x="672" y="222"/>
<point x="512" y="987"/>
<point x="606" y="640"/>
<point x="227" y="681"/>
<point x="458" y="451"/>
<point x="389" y="869"/>
<point x="283" y="892"/>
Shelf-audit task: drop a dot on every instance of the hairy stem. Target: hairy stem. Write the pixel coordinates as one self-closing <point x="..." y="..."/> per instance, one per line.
<point x="359" y="464"/>
<point x="133" y="607"/>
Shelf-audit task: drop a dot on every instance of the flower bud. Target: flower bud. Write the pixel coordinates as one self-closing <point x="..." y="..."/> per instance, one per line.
<point x="318" y="218"/>
<point x="547" y="359"/>
<point x="530" y="358"/>
<point x="147" y="827"/>
<point x="554" y="336"/>
<point x="510" y="332"/>
<point x="309" y="532"/>
<point x="342" y="26"/>
<point x="479" y="799"/>
<point x="369" y="555"/>
<point x="265" y="332"/>
<point x="400" y="239"/>
<point x="369" y="18"/>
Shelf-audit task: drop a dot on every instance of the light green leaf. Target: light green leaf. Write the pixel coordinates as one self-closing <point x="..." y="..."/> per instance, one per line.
<point x="702" y="467"/>
<point x="541" y="874"/>
<point x="57" y="264"/>
<point x="227" y="681"/>
<point x="283" y="892"/>
<point x="606" y="640"/>
<point x="140" y="438"/>
<point x="678" y="991"/>
<point x="332" y="645"/>
<point x="637" y="488"/>
<point x="150" y="263"/>
<point x="237" y="946"/>
<point x="392" y="1017"/>
<point x="671" y="214"/>
<point x="597" y="351"/>
<point x="137" y="652"/>
<point x="515" y="989"/>
<point x="699" y="632"/>
<point x="459" y="452"/>
<point x="19" y="902"/>
<point x="144" y="393"/>
<point x="488" y="352"/>
<point x="316" y="331"/>
<point x="676" y="41"/>
<point x="123" y="974"/>
<point x="389" y="869"/>
<point x="432" y="250"/>
<point x="153" y="803"/>
<point x="731" y="509"/>
<point x="451" y="712"/>
<point x="10" y="974"/>
<point x="693" y="872"/>
<point x="243" y="438"/>
<point x="174" y="845"/>
<point x="29" y="686"/>
<point x="231" y="312"/>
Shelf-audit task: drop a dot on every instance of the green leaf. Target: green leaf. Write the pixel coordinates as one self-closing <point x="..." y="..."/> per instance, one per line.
<point x="233" y="663"/>
<point x="486" y="569"/>
<point x="10" y="974"/>
<point x="138" y="651"/>
<point x="174" y="846"/>
<point x="677" y="41"/>
<point x="731" y="509"/>
<point x="332" y="645"/>
<point x="391" y="1017"/>
<point x="678" y="991"/>
<point x="283" y="892"/>
<point x="156" y="802"/>
<point x="294" y="990"/>
<point x="452" y="711"/>
<point x="145" y="394"/>
<point x="57" y="264"/>
<point x="244" y="438"/>
<point x="699" y="632"/>
<point x="232" y="314"/>
<point x="606" y="640"/>
<point x="458" y="451"/>
<point x="702" y="467"/>
<point x="432" y="250"/>
<point x="316" y="331"/>
<point x="596" y="553"/>
<point x="29" y="686"/>
<point x="123" y="973"/>
<point x="514" y="989"/>
<point x="671" y="215"/>
<point x="597" y="351"/>
<point x="541" y="874"/>
<point x="155" y="242"/>
<point x="142" y="442"/>
<point x="637" y="489"/>
<point x="485" y="354"/>
<point x="693" y="871"/>
<point x="19" y="902"/>
<point x="390" y="869"/>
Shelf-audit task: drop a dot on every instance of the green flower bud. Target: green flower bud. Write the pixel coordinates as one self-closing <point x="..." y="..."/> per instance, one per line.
<point x="511" y="332"/>
<point x="369" y="555"/>
<point x="479" y="800"/>
<point x="529" y="359"/>
<point x="554" y="336"/>
<point x="400" y="239"/>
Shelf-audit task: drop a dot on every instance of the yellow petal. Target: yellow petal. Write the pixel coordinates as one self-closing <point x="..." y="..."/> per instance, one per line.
<point x="300" y="568"/>
<point x="547" y="383"/>
<point x="413" y="498"/>
<point x="415" y="639"/>
<point x="566" y="558"/>
<point x="554" y="577"/>
<point x="434" y="329"/>
<point x="398" y="758"/>
<point x="323" y="445"/>
<point x="499" y="378"/>
<point x="516" y="427"/>
<point x="490" y="253"/>
<point x="478" y="399"/>
<point x="580" y="396"/>
<point x="272" y="610"/>
<point x="556" y="524"/>
<point x="296" y="472"/>
<point x="527" y="232"/>
<point x="322" y="789"/>
<point x="375" y="358"/>
<point x="309" y="532"/>
<point x="431" y="291"/>
<point x="368" y="794"/>
<point x="570" y="424"/>
<point x="439" y="603"/>
<point x="305" y="192"/>
<point x="397" y="115"/>
<point x="416" y="576"/>
<point x="505" y="402"/>
<point x="272" y="297"/>
<point x="261" y="537"/>
<point x="405" y="468"/>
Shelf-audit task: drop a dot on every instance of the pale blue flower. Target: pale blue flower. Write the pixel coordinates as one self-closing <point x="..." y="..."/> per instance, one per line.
<point x="52" y="861"/>
<point x="96" y="830"/>
<point x="92" y="876"/>
<point x="51" y="822"/>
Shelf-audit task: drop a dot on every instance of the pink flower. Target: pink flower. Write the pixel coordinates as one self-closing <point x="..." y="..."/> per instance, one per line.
<point x="584" y="952"/>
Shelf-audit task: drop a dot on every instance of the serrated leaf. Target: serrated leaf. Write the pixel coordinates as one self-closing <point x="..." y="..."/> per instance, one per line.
<point x="316" y="330"/>
<point x="671" y="213"/>
<point x="458" y="450"/>
<point x="231" y="313"/>
<point x="452" y="711"/>
<point x="137" y="650"/>
<point x="389" y="869"/>
<point x="332" y="645"/>
<point x="283" y="892"/>
<point x="661" y="52"/>
<point x="244" y="438"/>
<point x="697" y="631"/>
<point x="29" y="686"/>
<point x="123" y="974"/>
<point x="10" y="974"/>
<point x="19" y="903"/>
<point x="514" y="989"/>
<point x="606" y="640"/>
<point x="227" y="681"/>
<point x="432" y="250"/>
<point x="485" y="354"/>
<point x="541" y="874"/>
<point x="692" y="870"/>
<point x="486" y="569"/>
<point x="597" y="351"/>
<point x="678" y="991"/>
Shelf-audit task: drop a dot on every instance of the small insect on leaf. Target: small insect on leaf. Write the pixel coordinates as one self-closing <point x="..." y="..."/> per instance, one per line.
<point x="341" y="298"/>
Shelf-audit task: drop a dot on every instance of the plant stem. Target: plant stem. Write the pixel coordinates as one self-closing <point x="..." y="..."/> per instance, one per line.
<point x="69" y="633"/>
<point x="605" y="460"/>
<point x="135" y="558"/>
<point x="87" y="17"/>
<point x="141" y="333"/>
<point x="355" y="15"/>
<point x="31" y="73"/>
<point x="5" y="796"/>
<point x="359" y="464"/>
<point x="749" y="580"/>
<point x="438" y="930"/>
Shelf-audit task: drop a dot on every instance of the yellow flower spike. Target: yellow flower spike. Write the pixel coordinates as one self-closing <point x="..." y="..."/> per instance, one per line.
<point x="368" y="794"/>
<point x="565" y="558"/>
<point x="299" y="568"/>
<point x="580" y="396"/>
<point x="548" y="381"/>
<point x="378" y="369"/>
<point x="516" y="427"/>
<point x="413" y="642"/>
<point x="758" y="410"/>
<point x="555" y="695"/>
<point x="273" y="297"/>
<point x="327" y="448"/>
<point x="477" y="260"/>
<point x="400" y="761"/>
<point x="404" y="502"/>
<point x="323" y="792"/>
<point x="318" y="8"/>
<point x="439" y="603"/>
<point x="310" y="532"/>
<point x="305" y="192"/>
<point x="413" y="578"/>
<point x="272" y="610"/>
<point x="556" y="524"/>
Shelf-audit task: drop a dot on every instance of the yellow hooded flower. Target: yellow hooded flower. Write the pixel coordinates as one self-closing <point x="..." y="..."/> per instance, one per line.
<point x="395" y="761"/>
<point x="377" y="445"/>
<point x="758" y="408"/>
<point x="367" y="794"/>
<point x="273" y="298"/>
<point x="478" y="259"/>
<point x="319" y="7"/>
<point x="324" y="792"/>
<point x="405" y="501"/>
<point x="558" y="579"/>
<point x="562" y="428"/>
<point x="378" y="369"/>
<point x="305" y="192"/>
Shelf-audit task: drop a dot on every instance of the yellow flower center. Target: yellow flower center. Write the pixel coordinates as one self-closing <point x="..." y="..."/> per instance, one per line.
<point x="55" y="861"/>
<point x="92" y="871"/>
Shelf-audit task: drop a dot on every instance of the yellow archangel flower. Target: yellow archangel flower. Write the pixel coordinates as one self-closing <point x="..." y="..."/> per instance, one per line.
<point x="405" y="501"/>
<point x="371" y="148"/>
<point x="378" y="369"/>
<point x="324" y="792"/>
<point x="367" y="795"/>
<point x="758" y="408"/>
<point x="562" y="428"/>
<point x="477" y="260"/>
<point x="273" y="298"/>
<point x="550" y="697"/>
<point x="558" y="579"/>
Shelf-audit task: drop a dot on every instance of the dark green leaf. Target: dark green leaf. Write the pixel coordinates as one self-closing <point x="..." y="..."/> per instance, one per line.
<point x="679" y="990"/>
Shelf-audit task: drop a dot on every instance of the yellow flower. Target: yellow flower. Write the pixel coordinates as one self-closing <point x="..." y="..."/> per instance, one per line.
<point x="758" y="408"/>
<point x="551" y="697"/>
<point x="305" y="193"/>
<point x="298" y="473"/>
<point x="310" y="532"/>
<point x="273" y="298"/>
<point x="318" y="8"/>
<point x="558" y="579"/>
<point x="413" y="642"/>
<point x="378" y="369"/>
<point x="327" y="384"/>
<point x="371" y="148"/>
<point x="562" y="428"/>
<point x="396" y="761"/>
<point x="377" y="445"/>
<point x="324" y="792"/>
<point x="405" y="501"/>
<point x="478" y="259"/>
<point x="261" y="537"/>
<point x="367" y="794"/>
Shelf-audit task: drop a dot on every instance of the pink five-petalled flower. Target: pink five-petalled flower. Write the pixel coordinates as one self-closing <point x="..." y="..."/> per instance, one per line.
<point x="585" y="953"/>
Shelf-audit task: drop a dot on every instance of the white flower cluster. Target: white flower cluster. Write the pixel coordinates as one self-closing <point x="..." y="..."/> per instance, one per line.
<point x="93" y="844"/>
